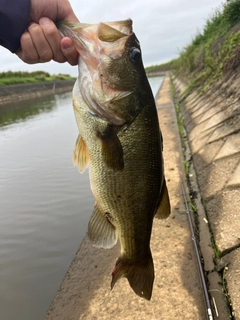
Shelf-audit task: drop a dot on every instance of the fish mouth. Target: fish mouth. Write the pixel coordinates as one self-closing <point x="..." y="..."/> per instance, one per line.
<point x="93" y="38"/>
<point x="96" y="44"/>
<point x="107" y="31"/>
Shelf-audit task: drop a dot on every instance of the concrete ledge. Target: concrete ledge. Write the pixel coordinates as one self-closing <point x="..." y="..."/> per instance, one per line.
<point x="232" y="278"/>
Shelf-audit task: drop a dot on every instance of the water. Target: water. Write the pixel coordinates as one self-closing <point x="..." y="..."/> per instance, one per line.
<point x="45" y="204"/>
<point x="155" y="83"/>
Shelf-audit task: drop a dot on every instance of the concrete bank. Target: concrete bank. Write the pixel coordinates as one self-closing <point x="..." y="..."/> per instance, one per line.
<point x="213" y="124"/>
<point x="177" y="294"/>
<point x="18" y="92"/>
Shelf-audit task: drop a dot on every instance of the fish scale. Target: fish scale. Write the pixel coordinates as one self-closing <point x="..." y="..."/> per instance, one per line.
<point x="120" y="141"/>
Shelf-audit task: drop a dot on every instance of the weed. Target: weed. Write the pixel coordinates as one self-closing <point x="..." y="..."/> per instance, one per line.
<point x="211" y="52"/>
<point x="194" y="208"/>
<point x="215" y="248"/>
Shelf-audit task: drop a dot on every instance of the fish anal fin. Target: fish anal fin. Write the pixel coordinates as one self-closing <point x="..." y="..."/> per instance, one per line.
<point x="140" y="275"/>
<point x="111" y="149"/>
<point x="80" y="157"/>
<point x="101" y="232"/>
<point x="164" y="208"/>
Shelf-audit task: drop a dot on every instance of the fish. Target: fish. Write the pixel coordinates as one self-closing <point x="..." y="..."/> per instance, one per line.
<point x="121" y="143"/>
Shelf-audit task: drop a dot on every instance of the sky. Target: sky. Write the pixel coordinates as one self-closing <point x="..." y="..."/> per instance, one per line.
<point x="163" y="27"/>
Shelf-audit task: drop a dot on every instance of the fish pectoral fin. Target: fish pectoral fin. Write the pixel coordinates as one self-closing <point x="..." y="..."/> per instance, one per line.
<point x="140" y="275"/>
<point x="164" y="208"/>
<point x="111" y="148"/>
<point x="80" y="157"/>
<point x="101" y="232"/>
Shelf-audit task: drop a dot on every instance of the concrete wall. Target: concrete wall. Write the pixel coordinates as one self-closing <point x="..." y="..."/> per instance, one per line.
<point x="156" y="74"/>
<point x="18" y="92"/>
<point x="212" y="121"/>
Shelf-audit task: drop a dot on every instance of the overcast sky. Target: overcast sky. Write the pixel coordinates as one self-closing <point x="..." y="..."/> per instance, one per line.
<point x="163" y="27"/>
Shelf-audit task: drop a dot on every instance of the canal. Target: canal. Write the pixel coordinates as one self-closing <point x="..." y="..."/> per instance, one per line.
<point x="45" y="204"/>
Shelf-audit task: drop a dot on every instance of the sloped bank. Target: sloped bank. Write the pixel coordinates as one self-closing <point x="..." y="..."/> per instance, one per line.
<point x="13" y="93"/>
<point x="212" y="123"/>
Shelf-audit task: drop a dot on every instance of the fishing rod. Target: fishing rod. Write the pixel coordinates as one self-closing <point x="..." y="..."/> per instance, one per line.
<point x="205" y="291"/>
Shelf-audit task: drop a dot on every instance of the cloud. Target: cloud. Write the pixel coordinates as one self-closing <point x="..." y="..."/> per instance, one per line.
<point x="163" y="27"/>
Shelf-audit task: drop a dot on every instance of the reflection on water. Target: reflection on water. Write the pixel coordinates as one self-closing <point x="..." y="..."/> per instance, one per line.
<point x="22" y="110"/>
<point x="45" y="204"/>
<point x="155" y="83"/>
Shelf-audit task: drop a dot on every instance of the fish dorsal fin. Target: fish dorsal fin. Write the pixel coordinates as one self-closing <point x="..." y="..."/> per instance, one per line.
<point x="111" y="149"/>
<point x="164" y="208"/>
<point x="108" y="34"/>
<point x="80" y="156"/>
<point x="101" y="232"/>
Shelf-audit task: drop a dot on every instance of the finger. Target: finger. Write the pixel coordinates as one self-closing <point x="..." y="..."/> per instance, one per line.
<point x="27" y="52"/>
<point x="41" y="44"/>
<point x="53" y="37"/>
<point x="69" y="51"/>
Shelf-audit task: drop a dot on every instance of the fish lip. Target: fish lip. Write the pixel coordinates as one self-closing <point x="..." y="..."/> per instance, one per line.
<point x="68" y="29"/>
<point x="65" y="26"/>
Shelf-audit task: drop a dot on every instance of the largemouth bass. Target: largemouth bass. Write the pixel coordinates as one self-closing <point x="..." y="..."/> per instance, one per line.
<point x="120" y="141"/>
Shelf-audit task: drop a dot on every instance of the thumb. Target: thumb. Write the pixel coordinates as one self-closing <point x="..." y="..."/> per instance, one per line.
<point x="69" y="51"/>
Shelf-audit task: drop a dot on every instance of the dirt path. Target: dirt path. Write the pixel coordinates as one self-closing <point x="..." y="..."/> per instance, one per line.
<point x="177" y="294"/>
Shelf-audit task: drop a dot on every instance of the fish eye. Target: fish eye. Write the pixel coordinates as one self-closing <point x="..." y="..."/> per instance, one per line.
<point x="135" y="54"/>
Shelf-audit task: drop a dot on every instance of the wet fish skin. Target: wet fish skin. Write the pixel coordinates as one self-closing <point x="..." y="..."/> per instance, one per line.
<point x="120" y="141"/>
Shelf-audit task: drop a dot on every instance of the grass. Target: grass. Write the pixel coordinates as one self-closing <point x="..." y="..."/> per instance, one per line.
<point x="212" y="53"/>
<point x="215" y="248"/>
<point x="20" y="77"/>
<point x="182" y="133"/>
<point x="180" y="126"/>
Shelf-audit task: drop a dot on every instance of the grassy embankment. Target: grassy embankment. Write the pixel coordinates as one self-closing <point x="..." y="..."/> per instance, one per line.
<point x="212" y="54"/>
<point x="10" y="77"/>
<point x="212" y="57"/>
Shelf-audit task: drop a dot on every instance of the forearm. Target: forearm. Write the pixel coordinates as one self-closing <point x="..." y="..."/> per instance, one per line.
<point x="13" y="21"/>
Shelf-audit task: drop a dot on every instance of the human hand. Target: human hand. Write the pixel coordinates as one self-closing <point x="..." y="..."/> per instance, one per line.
<point x="42" y="41"/>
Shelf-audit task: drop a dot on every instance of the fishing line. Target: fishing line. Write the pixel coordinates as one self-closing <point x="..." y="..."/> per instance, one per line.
<point x="205" y="290"/>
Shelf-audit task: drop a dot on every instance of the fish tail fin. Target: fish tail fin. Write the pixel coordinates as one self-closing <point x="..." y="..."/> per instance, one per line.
<point x="140" y="275"/>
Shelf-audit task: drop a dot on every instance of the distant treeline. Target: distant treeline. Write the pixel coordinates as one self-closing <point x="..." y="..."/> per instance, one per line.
<point x="18" y="77"/>
<point x="213" y="52"/>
